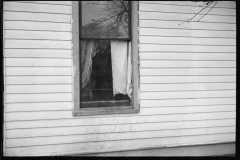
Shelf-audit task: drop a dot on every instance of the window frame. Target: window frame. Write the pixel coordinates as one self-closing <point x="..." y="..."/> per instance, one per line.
<point x="134" y="108"/>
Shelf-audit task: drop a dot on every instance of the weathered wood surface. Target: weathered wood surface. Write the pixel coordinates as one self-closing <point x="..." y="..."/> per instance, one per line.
<point x="187" y="81"/>
<point x="33" y="7"/>
<point x="227" y="149"/>
<point x="104" y="146"/>
<point x="30" y="16"/>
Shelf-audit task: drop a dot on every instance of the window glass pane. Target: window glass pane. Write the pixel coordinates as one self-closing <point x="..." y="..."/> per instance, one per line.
<point x="105" y="19"/>
<point x="105" y="63"/>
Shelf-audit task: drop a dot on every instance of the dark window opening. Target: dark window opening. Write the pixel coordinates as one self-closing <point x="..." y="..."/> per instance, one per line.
<point x="98" y="89"/>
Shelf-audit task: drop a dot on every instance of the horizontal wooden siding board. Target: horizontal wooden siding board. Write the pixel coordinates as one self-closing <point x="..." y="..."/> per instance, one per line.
<point x="37" y="62"/>
<point x="187" y="64"/>
<point x="187" y="71"/>
<point x="44" y="44"/>
<point x="33" y="80"/>
<point x="184" y="17"/>
<point x="50" y="53"/>
<point x="34" y="107"/>
<point x="203" y="34"/>
<point x="37" y="35"/>
<point x="188" y="94"/>
<point x="31" y="7"/>
<point x="119" y="120"/>
<point x="187" y="40"/>
<point x="186" y="48"/>
<point x="188" y="56"/>
<point x="48" y="97"/>
<point x="161" y="110"/>
<point x="185" y="9"/>
<point x="35" y="26"/>
<point x="66" y="106"/>
<point x="116" y="136"/>
<point x="13" y="89"/>
<point x="118" y="145"/>
<point x="187" y="87"/>
<point x="186" y="79"/>
<point x="51" y="71"/>
<point x="104" y="129"/>
<point x="222" y="4"/>
<point x="187" y="102"/>
<point x="187" y="26"/>
<point x="49" y="2"/>
<point x="28" y="16"/>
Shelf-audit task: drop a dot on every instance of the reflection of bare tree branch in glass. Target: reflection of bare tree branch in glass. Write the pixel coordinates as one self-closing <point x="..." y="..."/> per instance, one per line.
<point x="113" y="24"/>
<point x="207" y="3"/>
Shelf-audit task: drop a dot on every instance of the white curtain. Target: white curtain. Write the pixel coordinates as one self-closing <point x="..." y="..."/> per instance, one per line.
<point x="88" y="50"/>
<point x="121" y="67"/>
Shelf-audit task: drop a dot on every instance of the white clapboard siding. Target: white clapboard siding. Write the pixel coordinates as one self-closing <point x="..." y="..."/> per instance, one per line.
<point x="62" y="114"/>
<point x="219" y="36"/>
<point x="61" y="106"/>
<point x="37" y="26"/>
<point x="187" y="64"/>
<point x="187" y="102"/>
<point x="186" y="79"/>
<point x="30" y="16"/>
<point x="37" y="44"/>
<point x="49" y="2"/>
<point x="103" y="129"/>
<point x="117" y="136"/>
<point x="185" y="9"/>
<point x="33" y="80"/>
<point x="14" y="89"/>
<point x="187" y="40"/>
<point x="186" y="48"/>
<point x="187" y="56"/>
<point x="37" y="62"/>
<point x="187" y="87"/>
<point x="46" y="97"/>
<point x="187" y="71"/>
<point x="51" y="71"/>
<point x="34" y="107"/>
<point x="223" y="4"/>
<point x="93" y="121"/>
<point x="184" y="17"/>
<point x="192" y="25"/>
<point x="44" y="35"/>
<point x="49" y="53"/>
<point x="32" y="7"/>
<point x="120" y="145"/>
<point x="187" y="94"/>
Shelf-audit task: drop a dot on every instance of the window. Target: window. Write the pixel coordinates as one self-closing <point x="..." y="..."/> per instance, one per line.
<point x="105" y="57"/>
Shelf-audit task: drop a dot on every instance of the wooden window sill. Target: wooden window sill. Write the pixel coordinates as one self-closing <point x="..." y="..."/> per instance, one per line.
<point x="104" y="111"/>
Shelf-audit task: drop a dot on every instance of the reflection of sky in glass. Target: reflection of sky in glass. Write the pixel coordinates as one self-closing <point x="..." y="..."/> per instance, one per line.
<point x="90" y="12"/>
<point x="94" y="12"/>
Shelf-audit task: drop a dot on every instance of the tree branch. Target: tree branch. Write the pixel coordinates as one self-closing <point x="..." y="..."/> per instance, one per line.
<point x="188" y="20"/>
<point x="208" y="11"/>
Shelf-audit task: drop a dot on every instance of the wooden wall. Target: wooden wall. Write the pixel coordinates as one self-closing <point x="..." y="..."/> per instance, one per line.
<point x="187" y="81"/>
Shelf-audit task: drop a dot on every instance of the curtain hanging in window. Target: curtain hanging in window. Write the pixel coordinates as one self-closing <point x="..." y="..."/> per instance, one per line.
<point x="88" y="50"/>
<point x="121" y="67"/>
